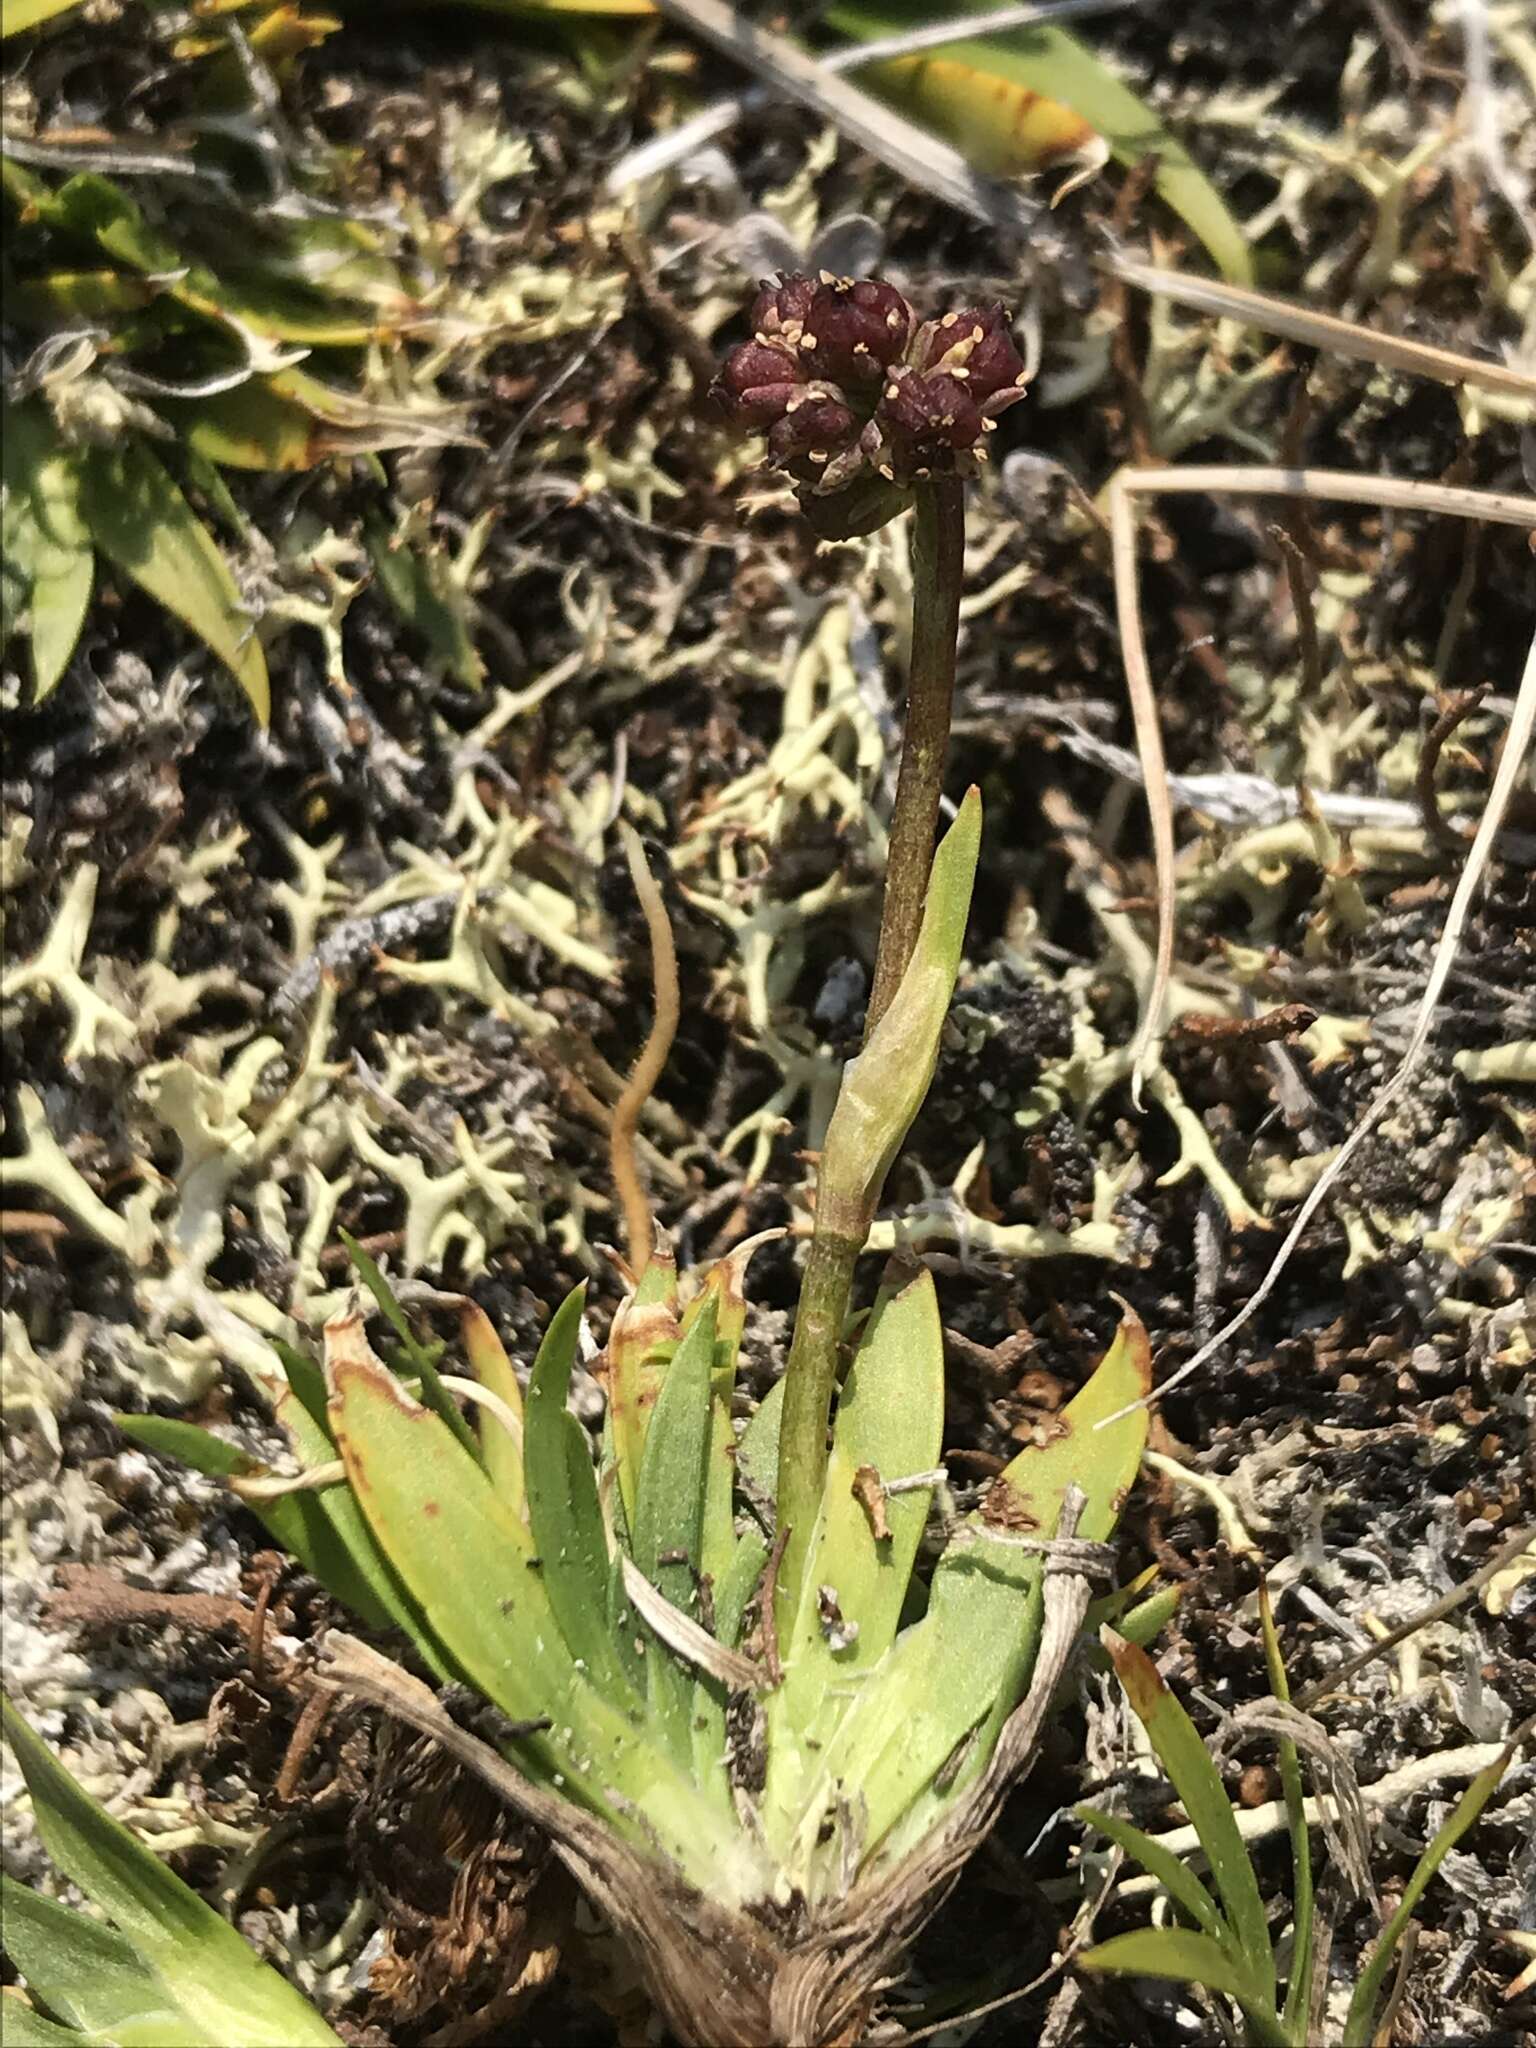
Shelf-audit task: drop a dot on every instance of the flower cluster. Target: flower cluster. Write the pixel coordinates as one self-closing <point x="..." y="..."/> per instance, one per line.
<point x="850" y="389"/>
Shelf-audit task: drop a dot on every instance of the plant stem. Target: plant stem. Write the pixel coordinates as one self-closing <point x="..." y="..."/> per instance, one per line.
<point x="938" y="564"/>
<point x="842" y="1221"/>
<point x="808" y="1381"/>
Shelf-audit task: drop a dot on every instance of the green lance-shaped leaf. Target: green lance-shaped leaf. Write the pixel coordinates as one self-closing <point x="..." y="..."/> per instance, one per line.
<point x="469" y="1561"/>
<point x="213" y="1981"/>
<point x="94" y="1979"/>
<point x="1184" y="1756"/>
<point x="17" y="15"/>
<point x="928" y="1718"/>
<point x="324" y="1530"/>
<point x="23" y="2026"/>
<point x="1360" y="2023"/>
<point x="642" y="1340"/>
<point x="1184" y="1956"/>
<point x="563" y="1507"/>
<point x="1171" y="1872"/>
<point x="890" y="1419"/>
<point x="48" y="552"/>
<point x="423" y="1358"/>
<point x="139" y="519"/>
<point x="669" y="1517"/>
<point x="501" y="1452"/>
<point x="984" y="95"/>
<point x="883" y="1089"/>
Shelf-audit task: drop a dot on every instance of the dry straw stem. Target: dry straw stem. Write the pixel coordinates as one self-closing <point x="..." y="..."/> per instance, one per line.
<point x="661" y="152"/>
<point x="927" y="163"/>
<point x="1333" y="486"/>
<point x="1325" y="330"/>
<point x="639" y="1229"/>
<point x="1516" y="747"/>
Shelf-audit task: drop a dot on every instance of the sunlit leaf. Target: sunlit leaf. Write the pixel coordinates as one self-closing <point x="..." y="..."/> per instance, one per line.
<point x="890" y="1418"/>
<point x="669" y="1516"/>
<point x="1184" y="1756"/>
<point x="470" y="1563"/>
<point x="955" y="1676"/>
<point x="1360" y="2025"/>
<point x="16" y="15"/>
<point x="47" y="548"/>
<point x="23" y="2027"/>
<point x="1179" y="1954"/>
<point x="139" y="519"/>
<point x="95" y="1979"/>
<point x="563" y="1509"/>
<point x="981" y="96"/>
<point x="423" y="1357"/>
<point x="214" y="1980"/>
<point x="500" y="1452"/>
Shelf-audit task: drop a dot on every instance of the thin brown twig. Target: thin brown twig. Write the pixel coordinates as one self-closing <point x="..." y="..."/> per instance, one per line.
<point x="1453" y="838"/>
<point x="305" y="1731"/>
<point x="1301" y="605"/>
<point x="639" y="1226"/>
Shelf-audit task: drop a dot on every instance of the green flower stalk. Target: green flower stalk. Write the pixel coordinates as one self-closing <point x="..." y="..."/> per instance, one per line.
<point x="870" y="411"/>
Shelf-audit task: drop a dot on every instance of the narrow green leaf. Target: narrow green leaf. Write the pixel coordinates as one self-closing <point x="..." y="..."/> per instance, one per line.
<point x="22" y="2026"/>
<point x="140" y="520"/>
<point x="220" y="1985"/>
<point x="434" y="1393"/>
<point x="1303" y="1903"/>
<point x="733" y="1592"/>
<point x="470" y="1563"/>
<point x="1179" y="1954"/>
<point x="980" y="93"/>
<point x="416" y="582"/>
<point x="884" y="1088"/>
<point x="757" y="1448"/>
<point x="48" y="547"/>
<point x="500" y="1452"/>
<point x="87" y="1975"/>
<point x="1174" y="1875"/>
<point x="949" y="1682"/>
<point x="1360" y="2025"/>
<point x="325" y="1531"/>
<point x="1184" y="1756"/>
<point x="563" y="1508"/>
<point x="306" y="1379"/>
<point x="890" y="1418"/>
<point x="669" y="1518"/>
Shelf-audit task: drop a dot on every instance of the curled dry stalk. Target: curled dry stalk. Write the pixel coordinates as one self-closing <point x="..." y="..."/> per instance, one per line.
<point x="639" y="1226"/>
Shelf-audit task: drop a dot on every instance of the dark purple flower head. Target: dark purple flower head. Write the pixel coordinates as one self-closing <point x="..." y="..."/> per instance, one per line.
<point x="856" y="405"/>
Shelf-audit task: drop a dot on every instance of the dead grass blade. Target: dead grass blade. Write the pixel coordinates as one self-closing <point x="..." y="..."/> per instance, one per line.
<point x="1335" y="486"/>
<point x="1325" y="330"/>
<point x="1517" y="745"/>
<point x="927" y="163"/>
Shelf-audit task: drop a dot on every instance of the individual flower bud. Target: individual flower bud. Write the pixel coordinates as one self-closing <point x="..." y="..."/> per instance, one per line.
<point x="977" y="344"/>
<point x="815" y="426"/>
<point x="782" y="306"/>
<point x="855" y="328"/>
<point x="926" y="418"/>
<point x="757" y="382"/>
